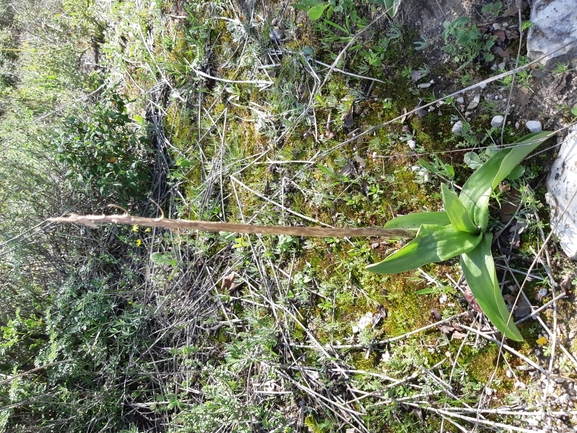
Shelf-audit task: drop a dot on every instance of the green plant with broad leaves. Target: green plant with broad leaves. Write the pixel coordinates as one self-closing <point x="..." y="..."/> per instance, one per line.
<point x="316" y="8"/>
<point x="461" y="230"/>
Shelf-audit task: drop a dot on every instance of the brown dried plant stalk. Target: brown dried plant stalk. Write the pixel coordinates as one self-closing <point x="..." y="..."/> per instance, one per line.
<point x="208" y="226"/>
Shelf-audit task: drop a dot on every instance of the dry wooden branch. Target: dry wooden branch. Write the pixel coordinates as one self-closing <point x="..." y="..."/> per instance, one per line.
<point x="208" y="226"/>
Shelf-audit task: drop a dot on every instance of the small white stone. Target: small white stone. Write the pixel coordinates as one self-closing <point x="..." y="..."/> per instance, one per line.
<point x="412" y="144"/>
<point x="460" y="100"/>
<point x="474" y="103"/>
<point x="497" y="121"/>
<point x="534" y="126"/>
<point x="457" y="128"/>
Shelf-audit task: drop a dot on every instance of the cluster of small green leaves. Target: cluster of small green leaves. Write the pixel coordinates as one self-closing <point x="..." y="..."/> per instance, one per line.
<point x="316" y="8"/>
<point x="466" y="43"/>
<point x="86" y="332"/>
<point x="105" y="151"/>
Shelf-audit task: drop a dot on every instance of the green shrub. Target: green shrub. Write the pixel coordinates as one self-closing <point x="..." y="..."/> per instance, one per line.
<point x="106" y="152"/>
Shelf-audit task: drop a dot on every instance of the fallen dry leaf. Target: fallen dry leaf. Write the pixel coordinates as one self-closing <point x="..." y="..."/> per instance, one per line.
<point x="470" y="298"/>
<point x="523" y="96"/>
<point x="458" y="335"/>
<point x="446" y="329"/>
<point x="511" y="11"/>
<point x="436" y="315"/>
<point x="566" y="282"/>
<point x="523" y="308"/>
<point x="501" y="52"/>
<point x="500" y="34"/>
<point x="228" y="282"/>
<point x="379" y="315"/>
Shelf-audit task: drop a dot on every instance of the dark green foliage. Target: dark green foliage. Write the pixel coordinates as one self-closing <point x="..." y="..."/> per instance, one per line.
<point x="105" y="151"/>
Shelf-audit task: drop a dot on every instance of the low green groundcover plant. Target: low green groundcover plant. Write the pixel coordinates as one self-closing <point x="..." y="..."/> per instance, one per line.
<point x="461" y="230"/>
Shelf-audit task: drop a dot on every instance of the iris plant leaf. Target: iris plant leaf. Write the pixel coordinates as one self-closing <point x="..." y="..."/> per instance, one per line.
<point x="431" y="245"/>
<point x="416" y="220"/>
<point x="477" y="190"/>
<point x="479" y="269"/>
<point x="457" y="212"/>
<point x="461" y="230"/>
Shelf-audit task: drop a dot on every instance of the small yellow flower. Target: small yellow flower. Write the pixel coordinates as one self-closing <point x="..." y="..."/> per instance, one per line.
<point x="138" y="242"/>
<point x="541" y="341"/>
<point x="135" y="228"/>
<point x="147" y="230"/>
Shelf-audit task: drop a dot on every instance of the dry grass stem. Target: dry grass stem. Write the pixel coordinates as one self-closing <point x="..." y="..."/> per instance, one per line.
<point x="209" y="226"/>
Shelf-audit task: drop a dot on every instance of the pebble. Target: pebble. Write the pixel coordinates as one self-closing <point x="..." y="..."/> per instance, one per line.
<point x="534" y="126"/>
<point x="457" y="128"/>
<point x="474" y="103"/>
<point x="497" y="121"/>
<point x="412" y="144"/>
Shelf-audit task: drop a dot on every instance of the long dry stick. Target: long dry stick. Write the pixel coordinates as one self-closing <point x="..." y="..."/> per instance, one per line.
<point x="209" y="226"/>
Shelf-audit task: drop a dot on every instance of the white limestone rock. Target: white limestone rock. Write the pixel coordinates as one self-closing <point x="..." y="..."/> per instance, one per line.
<point x="554" y="29"/>
<point x="457" y="128"/>
<point x="497" y="121"/>
<point x="562" y="195"/>
<point x="534" y="126"/>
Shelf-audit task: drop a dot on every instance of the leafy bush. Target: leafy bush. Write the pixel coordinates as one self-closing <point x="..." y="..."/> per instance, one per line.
<point x="106" y="152"/>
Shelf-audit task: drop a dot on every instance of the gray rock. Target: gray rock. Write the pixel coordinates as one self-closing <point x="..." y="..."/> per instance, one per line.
<point x="554" y="29"/>
<point x="561" y="195"/>
<point x="497" y="121"/>
<point x="534" y="126"/>
<point x="474" y="102"/>
<point x="457" y="128"/>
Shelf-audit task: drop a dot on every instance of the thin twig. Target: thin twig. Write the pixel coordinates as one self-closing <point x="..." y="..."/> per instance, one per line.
<point x="33" y="370"/>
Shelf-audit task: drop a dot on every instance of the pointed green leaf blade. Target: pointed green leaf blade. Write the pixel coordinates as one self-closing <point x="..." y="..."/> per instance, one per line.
<point x="316" y="11"/>
<point x="521" y="148"/>
<point x="416" y="220"/>
<point x="392" y="7"/>
<point x="476" y="191"/>
<point x="457" y="212"/>
<point x="433" y="244"/>
<point x="479" y="269"/>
